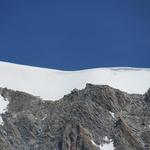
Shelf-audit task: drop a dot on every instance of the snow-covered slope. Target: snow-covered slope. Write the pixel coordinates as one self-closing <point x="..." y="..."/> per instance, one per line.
<point x="54" y="84"/>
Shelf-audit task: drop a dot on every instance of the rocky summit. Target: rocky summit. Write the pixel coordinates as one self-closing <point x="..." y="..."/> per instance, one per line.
<point x="95" y="118"/>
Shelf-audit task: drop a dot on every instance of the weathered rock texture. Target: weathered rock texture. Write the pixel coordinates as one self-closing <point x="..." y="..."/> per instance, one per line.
<point x="76" y="120"/>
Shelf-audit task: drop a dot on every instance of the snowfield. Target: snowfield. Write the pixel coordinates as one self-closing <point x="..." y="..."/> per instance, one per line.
<point x="52" y="84"/>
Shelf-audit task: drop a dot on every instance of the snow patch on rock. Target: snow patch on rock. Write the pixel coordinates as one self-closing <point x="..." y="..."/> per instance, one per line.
<point x="3" y="107"/>
<point x="112" y="114"/>
<point x="107" y="146"/>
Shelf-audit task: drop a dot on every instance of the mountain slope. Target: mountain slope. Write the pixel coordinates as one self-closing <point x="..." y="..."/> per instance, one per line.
<point x="96" y="118"/>
<point x="54" y="84"/>
<point x="91" y="117"/>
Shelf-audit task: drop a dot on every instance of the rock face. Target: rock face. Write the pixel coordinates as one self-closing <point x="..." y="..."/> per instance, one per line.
<point x="82" y="120"/>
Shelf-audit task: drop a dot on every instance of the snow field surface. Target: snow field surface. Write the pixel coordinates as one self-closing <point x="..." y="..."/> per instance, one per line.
<point x="52" y="84"/>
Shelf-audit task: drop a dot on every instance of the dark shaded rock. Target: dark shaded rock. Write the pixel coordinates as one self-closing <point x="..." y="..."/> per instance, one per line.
<point x="75" y="137"/>
<point x="147" y="96"/>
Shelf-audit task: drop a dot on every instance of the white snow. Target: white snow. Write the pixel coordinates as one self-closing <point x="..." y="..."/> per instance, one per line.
<point x="112" y="114"/>
<point x="3" y="108"/>
<point x="54" y="84"/>
<point x="107" y="146"/>
<point x="106" y="139"/>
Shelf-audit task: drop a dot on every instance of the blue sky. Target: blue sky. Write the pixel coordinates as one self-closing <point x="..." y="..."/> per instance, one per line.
<point x="72" y="35"/>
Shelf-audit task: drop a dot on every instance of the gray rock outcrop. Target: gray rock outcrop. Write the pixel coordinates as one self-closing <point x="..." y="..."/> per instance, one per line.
<point x="80" y="120"/>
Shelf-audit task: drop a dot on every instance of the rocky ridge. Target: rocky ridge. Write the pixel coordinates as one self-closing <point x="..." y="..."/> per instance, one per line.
<point x="80" y="120"/>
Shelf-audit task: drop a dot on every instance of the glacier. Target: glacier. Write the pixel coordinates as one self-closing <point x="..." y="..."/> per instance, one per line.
<point x="51" y="84"/>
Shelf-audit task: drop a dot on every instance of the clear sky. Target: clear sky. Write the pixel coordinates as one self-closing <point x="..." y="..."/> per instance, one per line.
<point x="75" y="34"/>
